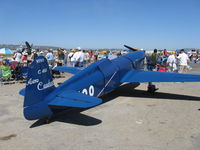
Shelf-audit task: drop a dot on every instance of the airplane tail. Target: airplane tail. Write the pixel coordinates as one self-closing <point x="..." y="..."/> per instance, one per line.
<point x="39" y="82"/>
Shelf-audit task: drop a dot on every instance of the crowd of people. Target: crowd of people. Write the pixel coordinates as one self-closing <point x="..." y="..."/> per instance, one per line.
<point x="172" y="61"/>
<point x="16" y="67"/>
<point x="73" y="58"/>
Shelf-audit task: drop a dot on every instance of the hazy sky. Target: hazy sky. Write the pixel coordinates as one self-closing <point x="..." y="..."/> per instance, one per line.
<point x="144" y="24"/>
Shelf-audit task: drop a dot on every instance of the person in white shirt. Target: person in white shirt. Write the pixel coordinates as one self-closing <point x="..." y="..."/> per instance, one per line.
<point x="71" y="59"/>
<point x="111" y="56"/>
<point x="79" y="58"/>
<point x="171" y="61"/>
<point x="183" y="61"/>
<point x="18" y="56"/>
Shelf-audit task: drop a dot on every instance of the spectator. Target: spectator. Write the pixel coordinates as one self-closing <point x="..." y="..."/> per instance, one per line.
<point x="165" y="53"/>
<point x="162" y="58"/>
<point x="50" y="58"/>
<point x="171" y="61"/>
<point x="95" y="57"/>
<point x="66" y="58"/>
<point x="41" y="53"/>
<point x="87" y="58"/>
<point x="148" y="61"/>
<point x="119" y="54"/>
<point x="79" y="57"/>
<point x="61" y="56"/>
<point x="25" y="57"/>
<point x="18" y="56"/>
<point x="71" y="58"/>
<point x="183" y="61"/>
<point x="5" y="70"/>
<point x="34" y="54"/>
<point x="38" y="52"/>
<point x="111" y="55"/>
<point x="91" y="55"/>
<point x="154" y="58"/>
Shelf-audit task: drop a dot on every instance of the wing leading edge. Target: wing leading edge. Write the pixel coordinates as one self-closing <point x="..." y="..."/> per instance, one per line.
<point x="74" y="99"/>
<point x="72" y="70"/>
<point x="153" y="76"/>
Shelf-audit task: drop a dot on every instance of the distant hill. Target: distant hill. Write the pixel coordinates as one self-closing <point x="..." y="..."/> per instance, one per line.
<point x="41" y="47"/>
<point x="191" y="49"/>
<point x="14" y="47"/>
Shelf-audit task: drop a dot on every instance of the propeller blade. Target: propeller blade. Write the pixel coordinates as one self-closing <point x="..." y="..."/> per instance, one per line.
<point x="28" y="48"/>
<point x="28" y="45"/>
<point x="131" y="48"/>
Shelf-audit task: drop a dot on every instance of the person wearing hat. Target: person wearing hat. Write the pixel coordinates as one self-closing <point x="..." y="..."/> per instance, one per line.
<point x="79" y="57"/>
<point x="171" y="61"/>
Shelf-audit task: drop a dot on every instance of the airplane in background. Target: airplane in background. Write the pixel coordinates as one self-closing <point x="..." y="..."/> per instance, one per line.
<point x="84" y="89"/>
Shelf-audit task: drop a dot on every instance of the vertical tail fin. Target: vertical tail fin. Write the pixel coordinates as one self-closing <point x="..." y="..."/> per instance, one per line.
<point x="39" y="82"/>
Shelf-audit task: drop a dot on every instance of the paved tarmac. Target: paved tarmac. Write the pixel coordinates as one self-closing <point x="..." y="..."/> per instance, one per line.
<point x="130" y="119"/>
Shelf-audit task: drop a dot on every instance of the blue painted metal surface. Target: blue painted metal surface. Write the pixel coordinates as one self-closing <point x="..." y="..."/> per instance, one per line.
<point x="39" y="82"/>
<point x="82" y="89"/>
<point x="152" y="76"/>
<point x="71" y="70"/>
<point x="74" y="99"/>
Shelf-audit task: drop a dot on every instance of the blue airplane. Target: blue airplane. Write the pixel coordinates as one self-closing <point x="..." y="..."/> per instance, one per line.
<point x="83" y="90"/>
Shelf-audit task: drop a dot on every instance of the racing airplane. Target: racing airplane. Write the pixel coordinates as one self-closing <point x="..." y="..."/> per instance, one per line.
<point x="84" y="89"/>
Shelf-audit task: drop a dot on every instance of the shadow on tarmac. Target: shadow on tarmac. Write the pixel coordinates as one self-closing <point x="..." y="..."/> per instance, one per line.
<point x="74" y="116"/>
<point x="129" y="91"/>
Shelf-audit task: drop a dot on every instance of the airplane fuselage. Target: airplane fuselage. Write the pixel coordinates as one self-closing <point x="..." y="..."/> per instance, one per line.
<point x="99" y="78"/>
<point x="103" y="76"/>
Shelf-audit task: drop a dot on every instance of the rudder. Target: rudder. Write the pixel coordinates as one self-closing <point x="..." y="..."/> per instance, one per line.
<point x="39" y="82"/>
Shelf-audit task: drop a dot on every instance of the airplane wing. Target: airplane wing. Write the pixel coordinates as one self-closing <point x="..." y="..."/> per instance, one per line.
<point x="72" y="70"/>
<point x="153" y="76"/>
<point x="74" y="99"/>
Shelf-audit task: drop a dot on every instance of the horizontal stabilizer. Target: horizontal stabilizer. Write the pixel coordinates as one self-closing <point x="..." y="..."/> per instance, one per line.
<point x="72" y="70"/>
<point x="74" y="99"/>
<point x="153" y="76"/>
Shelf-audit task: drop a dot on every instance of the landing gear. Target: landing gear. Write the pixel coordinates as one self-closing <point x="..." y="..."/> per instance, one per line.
<point x="151" y="88"/>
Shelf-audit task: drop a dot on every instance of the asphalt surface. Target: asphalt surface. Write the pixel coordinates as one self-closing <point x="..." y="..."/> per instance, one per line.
<point x="129" y="119"/>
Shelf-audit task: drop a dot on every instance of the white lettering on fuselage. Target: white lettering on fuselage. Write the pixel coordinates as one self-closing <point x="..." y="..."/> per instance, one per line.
<point x="40" y="71"/>
<point x="41" y="86"/>
<point x="32" y="81"/>
<point x="90" y="91"/>
<point x="39" y="60"/>
<point x="84" y="91"/>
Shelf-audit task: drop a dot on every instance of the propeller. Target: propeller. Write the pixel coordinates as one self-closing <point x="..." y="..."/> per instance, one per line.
<point x="131" y="48"/>
<point x="28" y="48"/>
